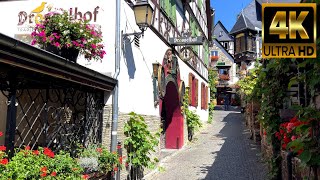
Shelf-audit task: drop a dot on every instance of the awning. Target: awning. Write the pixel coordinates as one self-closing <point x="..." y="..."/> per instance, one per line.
<point x="26" y="57"/>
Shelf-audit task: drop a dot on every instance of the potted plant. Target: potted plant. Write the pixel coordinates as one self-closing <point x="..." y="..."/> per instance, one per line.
<point x="65" y="36"/>
<point x="98" y="162"/>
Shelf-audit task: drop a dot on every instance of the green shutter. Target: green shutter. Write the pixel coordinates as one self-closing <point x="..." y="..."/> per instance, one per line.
<point x="200" y="4"/>
<point x="173" y="11"/>
<point x="163" y="4"/>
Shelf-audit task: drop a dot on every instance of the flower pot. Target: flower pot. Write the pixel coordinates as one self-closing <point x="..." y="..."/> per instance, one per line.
<point x="68" y="53"/>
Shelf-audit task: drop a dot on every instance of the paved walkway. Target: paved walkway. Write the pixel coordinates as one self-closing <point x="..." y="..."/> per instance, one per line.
<point x="222" y="151"/>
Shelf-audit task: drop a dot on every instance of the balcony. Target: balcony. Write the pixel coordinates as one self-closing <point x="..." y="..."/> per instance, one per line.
<point x="224" y="77"/>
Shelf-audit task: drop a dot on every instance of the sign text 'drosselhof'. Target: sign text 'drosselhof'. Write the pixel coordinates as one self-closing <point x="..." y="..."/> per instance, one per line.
<point x="289" y="30"/>
<point x="182" y="41"/>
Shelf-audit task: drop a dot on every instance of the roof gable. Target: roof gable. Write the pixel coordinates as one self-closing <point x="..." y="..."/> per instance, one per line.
<point x="221" y="33"/>
<point x="224" y="51"/>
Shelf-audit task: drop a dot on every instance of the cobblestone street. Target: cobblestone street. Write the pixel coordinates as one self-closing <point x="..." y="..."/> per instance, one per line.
<point x="222" y="151"/>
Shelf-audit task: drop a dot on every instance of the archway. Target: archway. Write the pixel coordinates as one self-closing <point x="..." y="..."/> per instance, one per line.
<point x="170" y="103"/>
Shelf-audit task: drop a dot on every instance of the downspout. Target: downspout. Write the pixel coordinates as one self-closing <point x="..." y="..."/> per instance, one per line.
<point x="115" y="92"/>
<point x="290" y="155"/>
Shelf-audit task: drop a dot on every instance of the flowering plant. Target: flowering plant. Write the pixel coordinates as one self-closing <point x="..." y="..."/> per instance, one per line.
<point x="301" y="137"/>
<point x="96" y="158"/>
<point x="62" y="31"/>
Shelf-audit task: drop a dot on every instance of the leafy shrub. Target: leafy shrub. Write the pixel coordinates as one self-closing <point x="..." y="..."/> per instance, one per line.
<point x="140" y="142"/>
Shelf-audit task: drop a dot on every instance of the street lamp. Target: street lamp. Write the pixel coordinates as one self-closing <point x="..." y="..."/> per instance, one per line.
<point x="143" y="13"/>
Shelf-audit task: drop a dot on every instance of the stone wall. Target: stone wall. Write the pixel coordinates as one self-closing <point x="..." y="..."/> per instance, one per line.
<point x="153" y="124"/>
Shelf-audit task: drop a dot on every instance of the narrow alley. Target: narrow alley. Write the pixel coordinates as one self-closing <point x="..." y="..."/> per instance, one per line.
<point x="222" y="151"/>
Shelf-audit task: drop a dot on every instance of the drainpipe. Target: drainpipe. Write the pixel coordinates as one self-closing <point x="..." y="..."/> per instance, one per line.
<point x="115" y="92"/>
<point x="290" y="155"/>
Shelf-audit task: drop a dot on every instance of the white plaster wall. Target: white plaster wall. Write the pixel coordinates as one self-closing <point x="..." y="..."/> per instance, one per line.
<point x="135" y="82"/>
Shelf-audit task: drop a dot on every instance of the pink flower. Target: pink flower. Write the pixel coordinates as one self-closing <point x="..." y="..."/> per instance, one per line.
<point x="51" y="38"/>
<point x="42" y="34"/>
<point x="93" y="33"/>
<point x="293" y="138"/>
<point x="57" y="44"/>
<point x="289" y="127"/>
<point x="75" y="43"/>
<point x="44" y="39"/>
<point x="93" y="46"/>
<point x="33" y="33"/>
<point x="68" y="45"/>
<point x="1" y="133"/>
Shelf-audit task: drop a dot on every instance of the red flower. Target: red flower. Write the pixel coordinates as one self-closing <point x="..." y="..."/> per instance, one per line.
<point x="115" y="168"/>
<point x="2" y="148"/>
<point x="1" y="133"/>
<point x="27" y="148"/>
<point x="286" y="140"/>
<point x="120" y="160"/>
<point x="293" y="138"/>
<point x="36" y="152"/>
<point x="4" y="161"/>
<point x="43" y="174"/>
<point x="294" y="119"/>
<point x="99" y="150"/>
<point x="53" y="174"/>
<point x="281" y="131"/>
<point x="265" y="133"/>
<point x="43" y="169"/>
<point x="85" y="176"/>
<point x="48" y="152"/>
<point x="300" y="151"/>
<point x="284" y="146"/>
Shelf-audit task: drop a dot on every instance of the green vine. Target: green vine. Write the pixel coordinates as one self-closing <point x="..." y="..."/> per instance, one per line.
<point x="140" y="142"/>
<point x="193" y="120"/>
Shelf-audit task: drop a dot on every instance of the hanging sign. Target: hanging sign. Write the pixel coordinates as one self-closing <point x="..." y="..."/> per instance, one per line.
<point x="183" y="41"/>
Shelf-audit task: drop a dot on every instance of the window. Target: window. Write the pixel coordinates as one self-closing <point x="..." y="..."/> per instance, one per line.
<point x="226" y="45"/>
<point x="214" y="53"/>
<point x="220" y="34"/>
<point x="240" y="44"/>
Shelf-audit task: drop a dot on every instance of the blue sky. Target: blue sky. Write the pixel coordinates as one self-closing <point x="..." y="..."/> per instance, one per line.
<point x="227" y="11"/>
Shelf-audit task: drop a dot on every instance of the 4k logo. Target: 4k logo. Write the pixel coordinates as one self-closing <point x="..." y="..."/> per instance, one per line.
<point x="289" y="30"/>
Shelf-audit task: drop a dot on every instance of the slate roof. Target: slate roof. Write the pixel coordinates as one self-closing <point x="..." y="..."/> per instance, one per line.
<point x="225" y="36"/>
<point x="249" y="18"/>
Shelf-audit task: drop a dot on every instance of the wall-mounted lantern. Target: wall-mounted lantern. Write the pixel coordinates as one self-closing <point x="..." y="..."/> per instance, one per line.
<point x="155" y="67"/>
<point x="143" y="13"/>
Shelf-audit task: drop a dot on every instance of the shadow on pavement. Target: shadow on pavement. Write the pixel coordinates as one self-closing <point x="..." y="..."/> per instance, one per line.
<point x="238" y="157"/>
<point x="231" y="108"/>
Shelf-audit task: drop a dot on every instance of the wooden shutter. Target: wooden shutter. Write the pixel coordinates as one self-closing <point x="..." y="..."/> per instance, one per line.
<point x="207" y="97"/>
<point x="203" y="96"/>
<point x="190" y="89"/>
<point x="196" y="93"/>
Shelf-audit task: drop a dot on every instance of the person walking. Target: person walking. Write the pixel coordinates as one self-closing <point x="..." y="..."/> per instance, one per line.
<point x="226" y="102"/>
